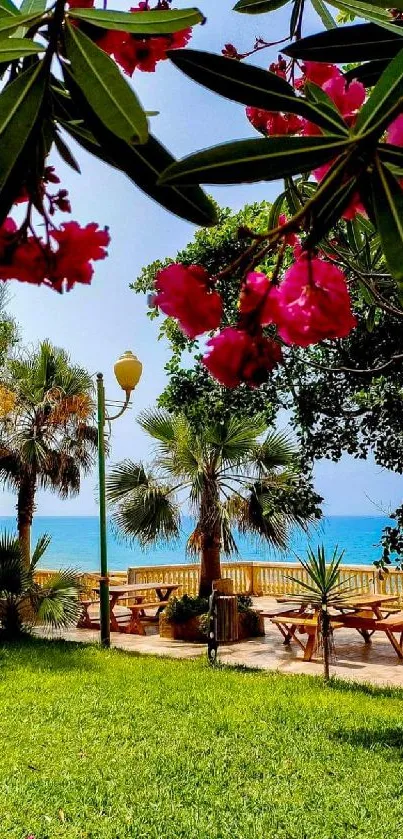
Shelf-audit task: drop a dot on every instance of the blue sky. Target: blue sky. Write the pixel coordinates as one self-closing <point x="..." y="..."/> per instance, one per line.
<point x="97" y="323"/>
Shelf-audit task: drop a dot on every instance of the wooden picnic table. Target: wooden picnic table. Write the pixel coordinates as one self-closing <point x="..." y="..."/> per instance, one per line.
<point x="362" y="612"/>
<point x="136" y="592"/>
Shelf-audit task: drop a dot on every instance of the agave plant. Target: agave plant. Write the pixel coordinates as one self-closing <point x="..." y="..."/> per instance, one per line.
<point x="23" y="602"/>
<point x="323" y="591"/>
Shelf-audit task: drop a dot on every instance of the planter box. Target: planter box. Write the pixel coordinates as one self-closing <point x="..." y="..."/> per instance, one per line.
<point x="190" y="630"/>
<point x="186" y="631"/>
<point x="248" y="627"/>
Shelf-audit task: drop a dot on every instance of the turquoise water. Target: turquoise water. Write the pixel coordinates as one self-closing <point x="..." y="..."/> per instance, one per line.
<point x="75" y="543"/>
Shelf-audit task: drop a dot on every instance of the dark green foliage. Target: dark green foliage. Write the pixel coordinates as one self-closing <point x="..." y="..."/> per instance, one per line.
<point x="392" y="544"/>
<point x="23" y="602"/>
<point x="182" y="609"/>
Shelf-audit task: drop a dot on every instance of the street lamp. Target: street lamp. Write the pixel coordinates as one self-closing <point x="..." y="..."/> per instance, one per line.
<point x="128" y="370"/>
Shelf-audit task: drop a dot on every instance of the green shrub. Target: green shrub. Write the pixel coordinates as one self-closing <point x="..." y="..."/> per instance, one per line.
<point x="181" y="609"/>
<point x="245" y="602"/>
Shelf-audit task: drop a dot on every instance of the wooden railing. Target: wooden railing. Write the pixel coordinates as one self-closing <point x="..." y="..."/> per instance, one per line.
<point x="257" y="578"/>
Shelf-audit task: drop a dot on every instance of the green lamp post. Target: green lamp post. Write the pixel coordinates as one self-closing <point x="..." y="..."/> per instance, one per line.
<point x="128" y="371"/>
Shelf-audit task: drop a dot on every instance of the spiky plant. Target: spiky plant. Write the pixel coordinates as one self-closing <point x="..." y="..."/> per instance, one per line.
<point x="47" y="435"/>
<point x="323" y="591"/>
<point x="23" y="602"/>
<point x="230" y="477"/>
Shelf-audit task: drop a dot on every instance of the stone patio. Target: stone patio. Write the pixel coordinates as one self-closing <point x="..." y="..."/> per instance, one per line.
<point x="376" y="662"/>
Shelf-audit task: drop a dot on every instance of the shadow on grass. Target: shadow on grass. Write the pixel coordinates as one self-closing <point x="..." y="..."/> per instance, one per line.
<point x="386" y="741"/>
<point x="54" y="655"/>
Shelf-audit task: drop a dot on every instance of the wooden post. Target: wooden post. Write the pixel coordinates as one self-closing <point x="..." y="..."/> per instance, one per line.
<point x="223" y="586"/>
<point x="227" y="618"/>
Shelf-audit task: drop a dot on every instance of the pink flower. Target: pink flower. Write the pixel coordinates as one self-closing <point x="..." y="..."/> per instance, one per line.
<point x="234" y="356"/>
<point x="77" y="247"/>
<point x="312" y="303"/>
<point x="81" y="244"/>
<point x="185" y="293"/>
<point x="319" y="73"/>
<point x="395" y="131"/>
<point x="272" y="123"/>
<point x="254" y="294"/>
<point x="142" y="53"/>
<point x="347" y="98"/>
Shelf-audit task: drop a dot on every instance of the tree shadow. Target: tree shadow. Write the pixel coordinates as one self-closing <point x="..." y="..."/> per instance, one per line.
<point x="386" y="741"/>
<point x="56" y="655"/>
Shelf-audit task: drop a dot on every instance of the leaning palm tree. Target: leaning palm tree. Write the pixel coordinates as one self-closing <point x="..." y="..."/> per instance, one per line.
<point x="323" y="591"/>
<point x="231" y="479"/>
<point x="23" y="602"/>
<point x="47" y="435"/>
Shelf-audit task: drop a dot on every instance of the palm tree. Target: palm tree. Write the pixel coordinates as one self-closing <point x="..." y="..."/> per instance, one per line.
<point x="323" y="592"/>
<point x="230" y="477"/>
<point x="23" y="602"/>
<point x="47" y="439"/>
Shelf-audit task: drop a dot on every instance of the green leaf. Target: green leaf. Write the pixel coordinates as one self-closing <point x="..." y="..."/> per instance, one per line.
<point x="368" y="12"/>
<point x="142" y="164"/>
<point x="8" y="8"/>
<point x="246" y="161"/>
<point x="104" y="88"/>
<point x="158" y="22"/>
<point x="65" y="153"/>
<point x="333" y="197"/>
<point x="368" y="73"/>
<point x="362" y="42"/>
<point x="13" y="48"/>
<point x="28" y="6"/>
<point x="387" y="197"/>
<point x="252" y="86"/>
<point x="391" y="154"/>
<point x="258" y="7"/>
<point x="324" y="14"/>
<point x="385" y="4"/>
<point x="322" y="100"/>
<point x="20" y="105"/>
<point x="10" y="23"/>
<point x="293" y="197"/>
<point x="276" y="210"/>
<point x="384" y="95"/>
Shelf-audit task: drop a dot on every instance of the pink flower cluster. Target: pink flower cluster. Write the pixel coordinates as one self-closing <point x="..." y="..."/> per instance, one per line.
<point x="137" y="52"/>
<point x="30" y="259"/>
<point x="64" y="256"/>
<point x="310" y="304"/>
<point x="348" y="98"/>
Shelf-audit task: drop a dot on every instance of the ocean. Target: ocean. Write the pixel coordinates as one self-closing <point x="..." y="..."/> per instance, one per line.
<point x="75" y="543"/>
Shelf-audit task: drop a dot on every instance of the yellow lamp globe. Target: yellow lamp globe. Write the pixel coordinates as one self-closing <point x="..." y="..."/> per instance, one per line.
<point x="128" y="371"/>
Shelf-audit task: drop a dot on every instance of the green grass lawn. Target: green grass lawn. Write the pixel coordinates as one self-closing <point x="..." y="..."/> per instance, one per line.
<point x="103" y="745"/>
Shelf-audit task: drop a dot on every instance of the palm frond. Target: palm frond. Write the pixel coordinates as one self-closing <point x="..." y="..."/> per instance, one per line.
<point x="248" y="516"/>
<point x="148" y="515"/>
<point x="57" y="605"/>
<point x="277" y="450"/>
<point x="158" y="424"/>
<point x="124" y="478"/>
<point x="12" y="574"/>
<point x="39" y="550"/>
<point x="235" y="439"/>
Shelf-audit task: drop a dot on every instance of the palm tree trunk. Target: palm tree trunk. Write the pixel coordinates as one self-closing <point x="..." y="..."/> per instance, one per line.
<point x="25" y="513"/>
<point x="209" y="524"/>
<point x="210" y="567"/>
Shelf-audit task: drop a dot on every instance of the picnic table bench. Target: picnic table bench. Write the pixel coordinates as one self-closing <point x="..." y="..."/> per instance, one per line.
<point x="132" y="617"/>
<point x="365" y="613"/>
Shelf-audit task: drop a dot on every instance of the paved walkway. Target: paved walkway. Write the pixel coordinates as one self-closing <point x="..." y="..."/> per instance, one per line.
<point x="376" y="662"/>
